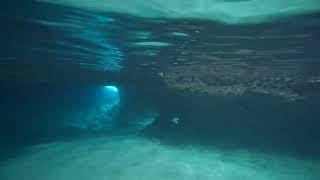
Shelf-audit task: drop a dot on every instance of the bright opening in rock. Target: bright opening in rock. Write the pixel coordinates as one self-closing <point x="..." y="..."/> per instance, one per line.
<point x="111" y="94"/>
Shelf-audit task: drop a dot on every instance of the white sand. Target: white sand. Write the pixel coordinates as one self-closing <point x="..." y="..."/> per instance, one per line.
<point x="134" y="158"/>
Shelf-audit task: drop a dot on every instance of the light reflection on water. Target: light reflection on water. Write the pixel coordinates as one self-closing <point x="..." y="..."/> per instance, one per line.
<point x="276" y="57"/>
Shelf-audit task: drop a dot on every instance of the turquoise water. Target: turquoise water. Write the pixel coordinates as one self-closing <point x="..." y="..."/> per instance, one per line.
<point x="207" y="89"/>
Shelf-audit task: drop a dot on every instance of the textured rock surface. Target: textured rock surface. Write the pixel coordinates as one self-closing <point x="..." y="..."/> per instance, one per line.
<point x="232" y="81"/>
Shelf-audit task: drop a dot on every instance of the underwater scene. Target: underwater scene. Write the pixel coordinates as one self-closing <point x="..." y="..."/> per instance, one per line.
<point x="160" y="90"/>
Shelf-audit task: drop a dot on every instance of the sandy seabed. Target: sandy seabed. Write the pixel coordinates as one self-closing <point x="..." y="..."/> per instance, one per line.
<point x="137" y="158"/>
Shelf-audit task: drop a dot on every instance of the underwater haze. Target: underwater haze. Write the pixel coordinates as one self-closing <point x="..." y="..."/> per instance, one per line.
<point x="158" y="89"/>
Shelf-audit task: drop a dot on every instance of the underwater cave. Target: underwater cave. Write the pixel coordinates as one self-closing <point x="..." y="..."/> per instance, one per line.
<point x="164" y="90"/>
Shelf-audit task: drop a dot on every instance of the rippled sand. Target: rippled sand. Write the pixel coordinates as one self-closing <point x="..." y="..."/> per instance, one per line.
<point x="135" y="158"/>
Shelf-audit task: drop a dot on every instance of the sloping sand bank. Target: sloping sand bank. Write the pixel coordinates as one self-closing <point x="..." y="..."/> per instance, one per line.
<point x="135" y="158"/>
